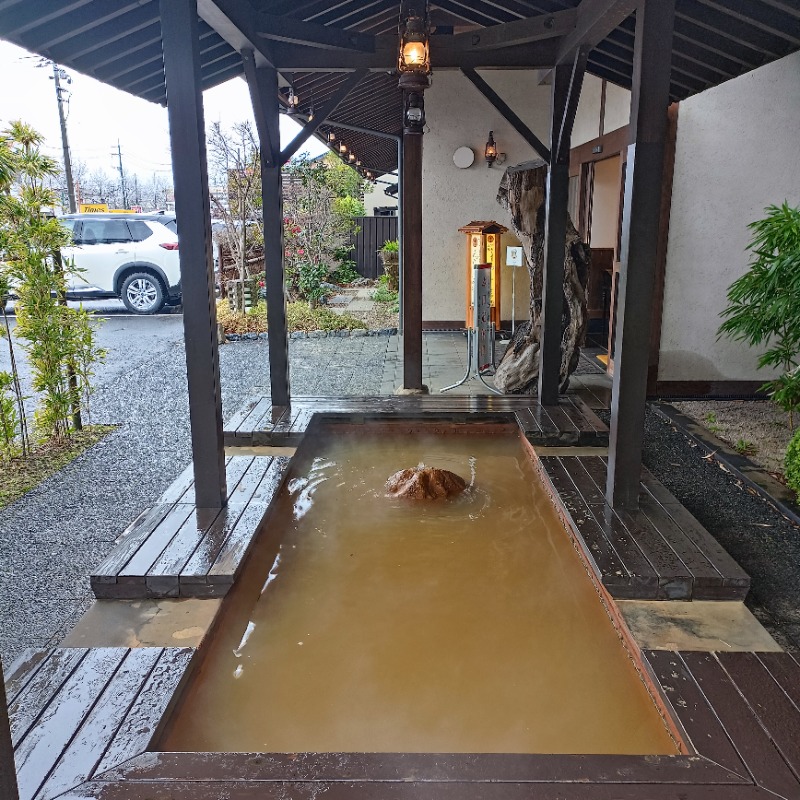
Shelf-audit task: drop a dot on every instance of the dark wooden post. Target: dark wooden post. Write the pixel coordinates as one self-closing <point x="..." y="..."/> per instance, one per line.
<point x="181" y="50"/>
<point x="640" y="223"/>
<point x="263" y="84"/>
<point x="555" y="238"/>
<point x="8" y="770"/>
<point x="411" y="180"/>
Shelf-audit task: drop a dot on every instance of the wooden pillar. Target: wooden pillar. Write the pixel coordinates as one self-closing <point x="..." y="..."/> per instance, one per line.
<point x="8" y="770"/>
<point x="180" y="43"/>
<point x="411" y="179"/>
<point x="640" y="225"/>
<point x="555" y="240"/>
<point x="263" y="85"/>
<point x="567" y="81"/>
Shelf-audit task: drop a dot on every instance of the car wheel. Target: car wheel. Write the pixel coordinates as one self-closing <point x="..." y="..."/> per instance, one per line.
<point x="143" y="293"/>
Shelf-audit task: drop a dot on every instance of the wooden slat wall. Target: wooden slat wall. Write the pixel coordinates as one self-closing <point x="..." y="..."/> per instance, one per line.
<point x="373" y="232"/>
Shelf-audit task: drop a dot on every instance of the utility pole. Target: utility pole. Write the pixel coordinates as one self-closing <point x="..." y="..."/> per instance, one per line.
<point x="122" y="177"/>
<point x="58" y="76"/>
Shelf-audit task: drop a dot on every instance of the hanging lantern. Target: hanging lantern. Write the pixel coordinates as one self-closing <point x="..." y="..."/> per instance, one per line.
<point x="352" y="157"/>
<point x="331" y="137"/>
<point x="413" y="60"/>
<point x="343" y="148"/>
<point x="414" y="43"/>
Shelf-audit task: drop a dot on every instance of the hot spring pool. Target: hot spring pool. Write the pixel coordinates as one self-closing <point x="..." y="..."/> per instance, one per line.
<point x="368" y="624"/>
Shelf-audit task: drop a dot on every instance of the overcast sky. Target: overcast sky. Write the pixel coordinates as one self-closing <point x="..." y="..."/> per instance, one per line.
<point x="99" y="115"/>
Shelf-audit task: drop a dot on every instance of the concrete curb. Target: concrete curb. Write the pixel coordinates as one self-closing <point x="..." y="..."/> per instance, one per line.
<point x="344" y="334"/>
<point x="752" y="475"/>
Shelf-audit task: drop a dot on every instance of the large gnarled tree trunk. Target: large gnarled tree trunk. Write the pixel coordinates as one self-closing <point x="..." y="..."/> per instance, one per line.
<point x="523" y="193"/>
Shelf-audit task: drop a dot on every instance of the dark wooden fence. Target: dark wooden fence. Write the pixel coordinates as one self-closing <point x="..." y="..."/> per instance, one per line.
<point x="372" y="233"/>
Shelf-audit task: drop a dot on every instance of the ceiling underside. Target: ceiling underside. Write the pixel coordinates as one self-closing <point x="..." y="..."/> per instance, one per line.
<point x="119" y="43"/>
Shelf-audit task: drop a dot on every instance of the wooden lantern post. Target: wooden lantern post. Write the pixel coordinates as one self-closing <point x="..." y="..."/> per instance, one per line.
<point x="483" y="247"/>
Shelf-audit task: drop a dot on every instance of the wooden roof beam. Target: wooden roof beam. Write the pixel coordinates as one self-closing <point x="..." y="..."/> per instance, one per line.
<point x="523" y="31"/>
<point x="255" y="24"/>
<point x="508" y="115"/>
<point x="445" y="54"/>
<point x="596" y="19"/>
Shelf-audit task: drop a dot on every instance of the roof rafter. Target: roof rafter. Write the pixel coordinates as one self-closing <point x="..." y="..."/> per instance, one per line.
<point x="523" y="31"/>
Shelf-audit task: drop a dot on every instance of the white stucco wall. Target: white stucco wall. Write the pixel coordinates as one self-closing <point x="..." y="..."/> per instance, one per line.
<point x="737" y="152"/>
<point x="458" y="115"/>
<point x="376" y="196"/>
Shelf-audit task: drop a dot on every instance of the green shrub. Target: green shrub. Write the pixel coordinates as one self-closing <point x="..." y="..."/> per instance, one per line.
<point x="345" y="273"/>
<point x="791" y="464"/>
<point x="391" y="246"/>
<point x="310" y="277"/>
<point x="299" y="317"/>
<point x="383" y="294"/>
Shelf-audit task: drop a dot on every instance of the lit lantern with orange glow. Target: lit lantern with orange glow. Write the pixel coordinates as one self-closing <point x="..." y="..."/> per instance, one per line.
<point x="414" y="52"/>
<point x="483" y="247"/>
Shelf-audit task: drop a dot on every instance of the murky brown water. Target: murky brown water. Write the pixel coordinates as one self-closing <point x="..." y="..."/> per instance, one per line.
<point x="384" y="625"/>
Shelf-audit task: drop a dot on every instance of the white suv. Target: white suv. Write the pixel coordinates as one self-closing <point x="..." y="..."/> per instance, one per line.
<point x="130" y="256"/>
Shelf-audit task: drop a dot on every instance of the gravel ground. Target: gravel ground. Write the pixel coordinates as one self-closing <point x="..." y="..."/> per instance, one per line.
<point x="764" y="543"/>
<point x="52" y="538"/>
<point x="756" y="422"/>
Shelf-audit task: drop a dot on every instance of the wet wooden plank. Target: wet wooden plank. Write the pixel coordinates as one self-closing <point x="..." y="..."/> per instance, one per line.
<point x="409" y="790"/>
<point x="130" y="541"/>
<point x="46" y="681"/>
<point x="733" y="574"/>
<point x="568" y="430"/>
<point x="462" y="768"/>
<point x="526" y="421"/>
<point x="776" y="712"/>
<point x="250" y="481"/>
<point x="235" y="468"/>
<point x="241" y="415"/>
<point x="178" y="488"/>
<point x="62" y="717"/>
<point x="689" y="706"/>
<point x="183" y="545"/>
<point x="248" y="421"/>
<point x="752" y="742"/>
<point x="235" y="548"/>
<point x="271" y="481"/>
<point x="585" y="429"/>
<point x="151" y="548"/>
<point x="148" y="712"/>
<point x="78" y="760"/>
<point x="196" y="568"/>
<point x="591" y="418"/>
<point x="269" y="419"/>
<point x="785" y="672"/>
<point x="21" y="671"/>
<point x="675" y="578"/>
<point x="703" y="571"/>
<point x="605" y="561"/>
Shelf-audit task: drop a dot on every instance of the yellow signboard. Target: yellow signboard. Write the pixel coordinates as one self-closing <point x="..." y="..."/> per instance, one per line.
<point x="94" y="208"/>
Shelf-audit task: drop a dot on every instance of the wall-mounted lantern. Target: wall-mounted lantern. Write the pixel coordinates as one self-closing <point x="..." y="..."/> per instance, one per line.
<point x="490" y="154"/>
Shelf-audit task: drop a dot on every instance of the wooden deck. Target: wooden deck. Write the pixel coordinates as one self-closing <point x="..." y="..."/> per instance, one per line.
<point x="175" y="549"/>
<point x="80" y="712"/>
<point x="571" y="422"/>
<point x="659" y="552"/>
<point x="83" y="722"/>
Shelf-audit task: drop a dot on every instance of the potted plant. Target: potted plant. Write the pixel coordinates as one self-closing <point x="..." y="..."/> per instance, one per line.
<point x="390" y="258"/>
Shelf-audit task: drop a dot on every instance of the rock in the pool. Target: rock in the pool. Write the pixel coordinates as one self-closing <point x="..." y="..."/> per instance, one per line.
<point x="425" y="483"/>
